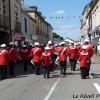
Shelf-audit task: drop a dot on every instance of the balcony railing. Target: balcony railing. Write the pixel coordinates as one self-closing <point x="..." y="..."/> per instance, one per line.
<point x="4" y="22"/>
<point x="17" y="26"/>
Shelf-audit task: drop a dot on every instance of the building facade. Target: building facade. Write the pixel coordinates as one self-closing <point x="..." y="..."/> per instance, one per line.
<point x="19" y="24"/>
<point x="95" y="22"/>
<point x="32" y="29"/>
<point x="43" y="28"/>
<point x="4" y="21"/>
<point x="25" y="25"/>
<point x="85" y="22"/>
<point x="28" y="27"/>
<point x="50" y="32"/>
<point x="15" y="6"/>
<point x="91" y="18"/>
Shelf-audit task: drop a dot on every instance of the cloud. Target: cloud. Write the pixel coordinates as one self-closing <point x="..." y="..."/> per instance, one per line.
<point x="59" y="12"/>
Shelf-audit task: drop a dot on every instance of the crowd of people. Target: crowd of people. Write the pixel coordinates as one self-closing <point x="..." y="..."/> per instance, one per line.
<point x="44" y="58"/>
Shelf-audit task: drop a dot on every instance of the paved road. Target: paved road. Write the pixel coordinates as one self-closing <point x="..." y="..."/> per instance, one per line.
<point x="28" y="86"/>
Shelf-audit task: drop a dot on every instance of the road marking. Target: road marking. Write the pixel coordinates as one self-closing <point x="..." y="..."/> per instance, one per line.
<point x="97" y="87"/>
<point x="51" y="90"/>
<point x="91" y="76"/>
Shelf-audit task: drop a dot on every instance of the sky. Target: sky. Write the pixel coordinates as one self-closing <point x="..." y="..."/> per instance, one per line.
<point x="54" y="10"/>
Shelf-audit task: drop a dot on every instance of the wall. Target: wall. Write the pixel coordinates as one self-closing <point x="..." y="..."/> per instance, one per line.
<point x="15" y="7"/>
<point x="25" y="26"/>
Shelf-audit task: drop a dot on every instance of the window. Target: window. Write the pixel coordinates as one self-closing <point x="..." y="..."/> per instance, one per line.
<point x="3" y="0"/>
<point x="16" y="18"/>
<point x="0" y="7"/>
<point x="16" y="8"/>
<point x="25" y="21"/>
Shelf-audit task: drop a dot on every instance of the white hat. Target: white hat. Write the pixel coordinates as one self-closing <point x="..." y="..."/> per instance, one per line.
<point x="47" y="48"/>
<point x="86" y="40"/>
<point x="49" y="42"/>
<point x="62" y="43"/>
<point x="36" y="43"/>
<point x="84" y="47"/>
<point x="69" y="44"/>
<point x="3" y="45"/>
<point x="24" y="46"/>
<point x="55" y="45"/>
<point x="11" y="43"/>
<point x="31" y="44"/>
<point x="76" y="44"/>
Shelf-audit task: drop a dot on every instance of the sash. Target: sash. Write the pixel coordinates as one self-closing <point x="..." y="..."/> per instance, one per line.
<point x="2" y="52"/>
<point x="25" y="50"/>
<point x="10" y="50"/>
<point x="35" y="50"/>
<point x="57" y="59"/>
<point x="63" y="51"/>
<point x="46" y="54"/>
<point x="72" y="47"/>
<point x="84" y="53"/>
<point x="33" y="58"/>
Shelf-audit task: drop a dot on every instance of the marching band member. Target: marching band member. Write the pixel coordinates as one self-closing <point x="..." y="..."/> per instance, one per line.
<point x="51" y="47"/>
<point x="46" y="62"/>
<point x="36" y="57"/>
<point x="25" y="55"/>
<point x="90" y="51"/>
<point x="62" y="57"/>
<point x="84" y="61"/>
<point x="13" y="56"/>
<point x="4" y="60"/>
<point x="72" y="56"/>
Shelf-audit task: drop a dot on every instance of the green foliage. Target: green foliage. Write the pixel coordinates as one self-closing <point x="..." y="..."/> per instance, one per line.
<point x="61" y="38"/>
<point x="55" y="35"/>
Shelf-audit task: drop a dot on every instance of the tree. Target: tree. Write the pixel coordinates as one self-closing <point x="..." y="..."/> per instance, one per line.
<point x="55" y="35"/>
<point x="61" y="38"/>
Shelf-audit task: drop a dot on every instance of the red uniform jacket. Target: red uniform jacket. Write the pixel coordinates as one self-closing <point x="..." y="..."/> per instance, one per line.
<point x="62" y="56"/>
<point x="36" y="54"/>
<point x="89" y="50"/>
<point x="12" y="54"/>
<point x="51" y="50"/>
<point x="78" y="50"/>
<point x="72" y="52"/>
<point x="25" y="54"/>
<point x="4" y="57"/>
<point x="46" y="59"/>
<point x="84" y="59"/>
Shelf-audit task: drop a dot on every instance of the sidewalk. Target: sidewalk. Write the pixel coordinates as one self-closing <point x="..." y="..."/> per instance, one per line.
<point x="96" y="59"/>
<point x="95" y="67"/>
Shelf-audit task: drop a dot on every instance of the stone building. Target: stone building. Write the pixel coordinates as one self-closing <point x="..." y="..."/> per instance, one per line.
<point x="4" y="21"/>
<point x="90" y="22"/>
